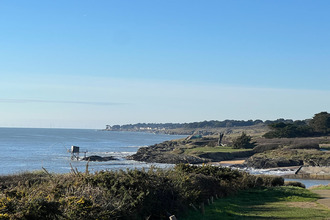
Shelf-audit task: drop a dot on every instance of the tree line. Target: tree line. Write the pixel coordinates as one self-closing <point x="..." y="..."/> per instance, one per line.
<point x="319" y="125"/>
<point x="197" y="125"/>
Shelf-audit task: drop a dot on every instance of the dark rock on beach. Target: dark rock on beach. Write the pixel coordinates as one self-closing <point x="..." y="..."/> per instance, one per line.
<point x="99" y="158"/>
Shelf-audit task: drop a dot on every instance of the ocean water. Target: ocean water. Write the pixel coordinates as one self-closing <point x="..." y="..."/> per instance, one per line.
<point x="29" y="149"/>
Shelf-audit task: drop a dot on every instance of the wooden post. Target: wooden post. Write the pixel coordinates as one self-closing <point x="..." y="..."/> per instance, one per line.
<point x="212" y="200"/>
<point x="208" y="202"/>
<point x="220" y="138"/>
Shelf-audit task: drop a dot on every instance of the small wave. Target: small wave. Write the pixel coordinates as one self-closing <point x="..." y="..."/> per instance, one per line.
<point x="134" y="146"/>
<point x="272" y="171"/>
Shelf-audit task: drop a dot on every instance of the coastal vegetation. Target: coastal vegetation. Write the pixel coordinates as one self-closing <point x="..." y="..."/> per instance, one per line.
<point x="244" y="141"/>
<point x="130" y="194"/>
<point x="318" y="126"/>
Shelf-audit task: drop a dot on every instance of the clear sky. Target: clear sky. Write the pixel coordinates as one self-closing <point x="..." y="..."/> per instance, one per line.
<point x="85" y="64"/>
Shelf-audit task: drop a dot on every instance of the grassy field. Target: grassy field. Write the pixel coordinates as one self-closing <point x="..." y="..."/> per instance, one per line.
<point x="271" y="203"/>
<point x="207" y="149"/>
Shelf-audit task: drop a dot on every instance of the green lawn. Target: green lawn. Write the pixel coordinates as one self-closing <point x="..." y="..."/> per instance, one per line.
<point x="272" y="203"/>
<point x="213" y="150"/>
<point x="321" y="187"/>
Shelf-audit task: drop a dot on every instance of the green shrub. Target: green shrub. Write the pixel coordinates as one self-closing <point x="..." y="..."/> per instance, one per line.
<point x="294" y="183"/>
<point x="244" y="141"/>
<point x="271" y="181"/>
<point x="130" y="194"/>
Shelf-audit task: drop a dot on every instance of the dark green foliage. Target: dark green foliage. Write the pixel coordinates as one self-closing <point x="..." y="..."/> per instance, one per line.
<point x="294" y="183"/>
<point x="193" y="125"/>
<point x="321" y="123"/>
<point x="291" y="130"/>
<point x="40" y="208"/>
<point x="244" y="141"/>
<point x="130" y="194"/>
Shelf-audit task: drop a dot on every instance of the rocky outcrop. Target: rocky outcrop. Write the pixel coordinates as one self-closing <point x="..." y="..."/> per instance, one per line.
<point x="219" y="156"/>
<point x="173" y="152"/>
<point x="266" y="155"/>
<point x="163" y="153"/>
<point x="264" y="163"/>
<point x="288" y="157"/>
<point x="98" y="158"/>
<point x="311" y="172"/>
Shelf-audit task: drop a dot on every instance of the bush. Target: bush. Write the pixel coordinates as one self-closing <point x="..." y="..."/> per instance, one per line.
<point x="294" y="183"/>
<point x="130" y="194"/>
<point x="271" y="181"/>
<point x="243" y="141"/>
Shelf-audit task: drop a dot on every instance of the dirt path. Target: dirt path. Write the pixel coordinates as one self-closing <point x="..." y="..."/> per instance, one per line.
<point x="325" y="197"/>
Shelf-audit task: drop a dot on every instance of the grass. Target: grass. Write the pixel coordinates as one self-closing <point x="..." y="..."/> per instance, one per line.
<point x="321" y="187"/>
<point x="208" y="149"/>
<point x="270" y="203"/>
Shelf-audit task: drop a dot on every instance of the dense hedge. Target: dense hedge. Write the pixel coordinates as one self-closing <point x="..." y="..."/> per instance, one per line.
<point x="130" y="194"/>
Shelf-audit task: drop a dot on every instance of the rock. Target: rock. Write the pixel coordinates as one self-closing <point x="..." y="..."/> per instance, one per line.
<point x="163" y="153"/>
<point x="219" y="156"/>
<point x="99" y="158"/>
<point x="264" y="162"/>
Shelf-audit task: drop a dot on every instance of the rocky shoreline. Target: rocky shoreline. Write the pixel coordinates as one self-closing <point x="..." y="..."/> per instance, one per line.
<point x="261" y="157"/>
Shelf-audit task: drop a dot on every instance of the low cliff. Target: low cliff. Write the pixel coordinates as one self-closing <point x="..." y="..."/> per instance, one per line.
<point x="165" y="153"/>
<point x="284" y="157"/>
<point x="199" y="150"/>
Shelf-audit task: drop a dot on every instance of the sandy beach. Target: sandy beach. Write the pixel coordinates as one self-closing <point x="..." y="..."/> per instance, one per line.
<point x="231" y="162"/>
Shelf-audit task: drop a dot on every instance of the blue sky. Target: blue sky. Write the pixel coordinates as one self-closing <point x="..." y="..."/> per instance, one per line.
<point x="84" y="64"/>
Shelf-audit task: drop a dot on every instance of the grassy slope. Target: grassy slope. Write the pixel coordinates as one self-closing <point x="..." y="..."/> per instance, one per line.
<point x="295" y="154"/>
<point x="272" y="203"/>
<point x="207" y="149"/>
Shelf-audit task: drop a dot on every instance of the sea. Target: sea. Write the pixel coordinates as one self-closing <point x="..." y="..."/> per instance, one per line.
<point x="34" y="149"/>
<point x="31" y="149"/>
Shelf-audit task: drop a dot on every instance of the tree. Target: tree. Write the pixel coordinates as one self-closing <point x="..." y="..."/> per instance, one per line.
<point x="243" y="141"/>
<point x="321" y="123"/>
